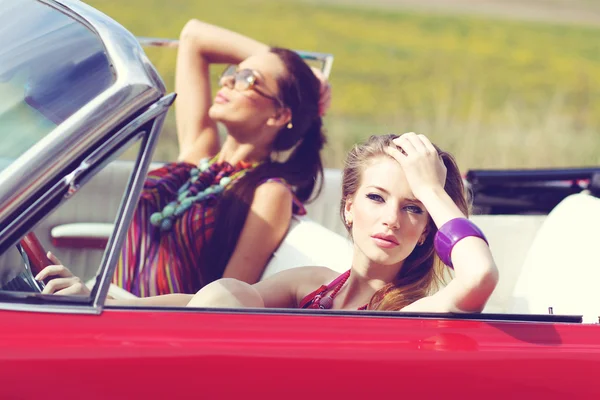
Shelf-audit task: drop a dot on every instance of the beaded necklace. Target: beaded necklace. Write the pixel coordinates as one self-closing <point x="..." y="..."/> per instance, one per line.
<point x="326" y="302"/>
<point x="207" y="181"/>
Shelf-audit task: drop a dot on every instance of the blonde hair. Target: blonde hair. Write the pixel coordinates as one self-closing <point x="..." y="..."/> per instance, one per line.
<point x="422" y="272"/>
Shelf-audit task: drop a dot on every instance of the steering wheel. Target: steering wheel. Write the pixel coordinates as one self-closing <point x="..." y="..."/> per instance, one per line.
<point x="35" y="252"/>
<point x="35" y="259"/>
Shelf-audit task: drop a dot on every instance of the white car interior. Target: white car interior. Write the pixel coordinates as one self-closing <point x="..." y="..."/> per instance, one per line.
<point x="545" y="261"/>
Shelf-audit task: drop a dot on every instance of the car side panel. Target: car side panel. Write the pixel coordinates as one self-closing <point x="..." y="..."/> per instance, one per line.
<point x="172" y="354"/>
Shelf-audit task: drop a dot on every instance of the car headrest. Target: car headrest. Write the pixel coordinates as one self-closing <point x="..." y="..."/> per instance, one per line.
<point x="309" y="244"/>
<point x="561" y="271"/>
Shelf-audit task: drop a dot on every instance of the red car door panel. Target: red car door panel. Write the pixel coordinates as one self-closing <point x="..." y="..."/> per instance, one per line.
<point x="172" y="354"/>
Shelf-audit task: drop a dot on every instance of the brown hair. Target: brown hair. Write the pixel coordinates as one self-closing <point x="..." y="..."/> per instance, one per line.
<point x="422" y="272"/>
<point x="299" y="90"/>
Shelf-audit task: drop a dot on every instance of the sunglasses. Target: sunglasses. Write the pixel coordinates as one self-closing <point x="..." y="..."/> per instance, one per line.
<point x="244" y="79"/>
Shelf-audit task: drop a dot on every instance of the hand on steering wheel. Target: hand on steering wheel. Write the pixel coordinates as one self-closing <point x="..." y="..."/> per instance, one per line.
<point x="46" y="266"/>
<point x="63" y="281"/>
<point x="38" y="259"/>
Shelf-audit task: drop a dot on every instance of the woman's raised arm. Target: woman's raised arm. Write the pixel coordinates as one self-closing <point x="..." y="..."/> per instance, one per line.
<point x="200" y="45"/>
<point x="476" y="274"/>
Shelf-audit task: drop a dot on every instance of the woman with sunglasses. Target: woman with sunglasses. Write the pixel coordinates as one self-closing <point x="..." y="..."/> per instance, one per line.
<point x="221" y="210"/>
<point x="404" y="205"/>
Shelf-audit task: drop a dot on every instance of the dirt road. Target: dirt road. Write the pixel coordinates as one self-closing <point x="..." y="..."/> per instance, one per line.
<point x="562" y="11"/>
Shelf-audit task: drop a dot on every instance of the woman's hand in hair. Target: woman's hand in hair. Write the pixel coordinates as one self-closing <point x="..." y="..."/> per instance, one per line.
<point x="325" y="94"/>
<point x="424" y="169"/>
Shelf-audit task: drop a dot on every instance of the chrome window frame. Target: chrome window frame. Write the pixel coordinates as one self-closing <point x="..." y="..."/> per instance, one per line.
<point x="133" y="108"/>
<point x="137" y="85"/>
<point x="326" y="59"/>
<point x="146" y="127"/>
<point x="157" y="112"/>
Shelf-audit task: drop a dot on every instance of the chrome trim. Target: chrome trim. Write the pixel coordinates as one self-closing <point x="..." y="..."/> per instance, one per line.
<point x="96" y="300"/>
<point x="326" y="59"/>
<point x="157" y="42"/>
<point x="137" y="85"/>
<point x="51" y="308"/>
<point x="134" y="189"/>
<point x="71" y="180"/>
<point x="122" y="46"/>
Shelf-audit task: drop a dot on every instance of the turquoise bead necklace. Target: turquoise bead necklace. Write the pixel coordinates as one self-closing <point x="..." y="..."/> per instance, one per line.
<point x="207" y="181"/>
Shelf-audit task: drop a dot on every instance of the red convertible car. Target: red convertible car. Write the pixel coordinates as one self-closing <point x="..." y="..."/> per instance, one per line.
<point x="79" y="97"/>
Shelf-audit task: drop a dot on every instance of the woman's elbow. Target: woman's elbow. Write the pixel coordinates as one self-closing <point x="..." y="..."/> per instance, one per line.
<point x="490" y="276"/>
<point x="190" y="32"/>
<point x="482" y="285"/>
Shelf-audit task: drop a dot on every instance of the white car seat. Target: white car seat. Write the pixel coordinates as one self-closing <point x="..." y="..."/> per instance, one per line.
<point x="308" y="243"/>
<point x="562" y="267"/>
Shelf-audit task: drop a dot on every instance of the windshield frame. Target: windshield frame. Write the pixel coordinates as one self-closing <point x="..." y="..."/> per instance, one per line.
<point x="137" y="85"/>
<point x="146" y="128"/>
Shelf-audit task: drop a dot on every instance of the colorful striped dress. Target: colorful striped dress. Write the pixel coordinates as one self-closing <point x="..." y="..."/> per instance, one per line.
<point x="155" y="261"/>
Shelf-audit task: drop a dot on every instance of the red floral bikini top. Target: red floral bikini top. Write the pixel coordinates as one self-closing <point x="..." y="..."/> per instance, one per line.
<point x="318" y="300"/>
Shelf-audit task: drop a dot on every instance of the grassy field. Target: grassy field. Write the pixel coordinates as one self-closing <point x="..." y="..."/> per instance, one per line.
<point x="496" y="93"/>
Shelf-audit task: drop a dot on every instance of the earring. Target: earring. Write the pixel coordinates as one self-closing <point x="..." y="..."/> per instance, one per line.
<point x="420" y="242"/>
<point x="348" y="221"/>
<point x="290" y="125"/>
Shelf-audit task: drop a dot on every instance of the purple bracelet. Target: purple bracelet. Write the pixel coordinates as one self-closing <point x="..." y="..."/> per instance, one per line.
<point x="451" y="233"/>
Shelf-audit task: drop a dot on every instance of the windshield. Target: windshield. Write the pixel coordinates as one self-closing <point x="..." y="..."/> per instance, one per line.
<point x="51" y="65"/>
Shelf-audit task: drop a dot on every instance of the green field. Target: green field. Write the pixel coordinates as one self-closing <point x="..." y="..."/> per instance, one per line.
<point x="496" y="93"/>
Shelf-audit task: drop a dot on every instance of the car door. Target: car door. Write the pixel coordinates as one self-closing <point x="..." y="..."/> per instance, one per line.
<point x="162" y="353"/>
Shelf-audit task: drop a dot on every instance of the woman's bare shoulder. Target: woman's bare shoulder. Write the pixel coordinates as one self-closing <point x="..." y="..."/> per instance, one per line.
<point x="305" y="277"/>
<point x="272" y="195"/>
<point x="316" y="274"/>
